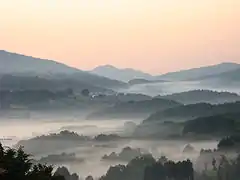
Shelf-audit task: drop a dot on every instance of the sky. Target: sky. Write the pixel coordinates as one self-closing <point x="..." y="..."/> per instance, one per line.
<point x="155" y="36"/>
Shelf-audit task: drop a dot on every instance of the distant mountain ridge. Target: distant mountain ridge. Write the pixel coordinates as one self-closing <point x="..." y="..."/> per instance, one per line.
<point x="18" y="63"/>
<point x="201" y="72"/>
<point x="229" y="79"/>
<point x="125" y="75"/>
<point x="109" y="76"/>
<point x="233" y="75"/>
<point x="22" y="65"/>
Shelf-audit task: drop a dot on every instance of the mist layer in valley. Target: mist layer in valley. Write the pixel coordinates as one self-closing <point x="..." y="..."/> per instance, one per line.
<point x="87" y="152"/>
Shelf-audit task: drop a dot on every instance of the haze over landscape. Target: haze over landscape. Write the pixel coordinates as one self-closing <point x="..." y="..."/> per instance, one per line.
<point x="112" y="90"/>
<point x="154" y="36"/>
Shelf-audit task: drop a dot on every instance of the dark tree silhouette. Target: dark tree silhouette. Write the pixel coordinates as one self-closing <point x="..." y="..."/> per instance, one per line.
<point x="63" y="171"/>
<point x="229" y="142"/>
<point x="17" y="165"/>
<point x="85" y="92"/>
<point x="134" y="170"/>
<point x="182" y="170"/>
<point x="89" y="178"/>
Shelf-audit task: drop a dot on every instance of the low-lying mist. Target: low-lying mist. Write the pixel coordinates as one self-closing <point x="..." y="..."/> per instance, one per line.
<point x="90" y="152"/>
<point x="165" y="88"/>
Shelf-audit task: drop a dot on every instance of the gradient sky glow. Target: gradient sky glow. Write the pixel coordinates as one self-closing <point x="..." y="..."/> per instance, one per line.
<point x="151" y="35"/>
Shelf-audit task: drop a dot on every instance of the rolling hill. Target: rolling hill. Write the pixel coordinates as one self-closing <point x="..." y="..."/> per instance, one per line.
<point x="200" y="73"/>
<point x="21" y="65"/>
<point x="18" y="63"/>
<point x="192" y="111"/>
<point x="202" y="96"/>
<point x="194" y="118"/>
<point x="124" y="75"/>
<point x="224" y="124"/>
<point x="229" y="76"/>
<point x="133" y="109"/>
<point x="11" y="82"/>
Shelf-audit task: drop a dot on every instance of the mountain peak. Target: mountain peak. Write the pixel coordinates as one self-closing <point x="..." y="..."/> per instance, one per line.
<point x="107" y="66"/>
<point x="125" y="75"/>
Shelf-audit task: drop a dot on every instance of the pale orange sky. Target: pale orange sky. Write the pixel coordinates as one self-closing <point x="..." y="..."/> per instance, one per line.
<point x="156" y="36"/>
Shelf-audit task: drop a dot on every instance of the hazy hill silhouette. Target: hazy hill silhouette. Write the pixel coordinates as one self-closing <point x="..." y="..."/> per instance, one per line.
<point x="13" y="82"/>
<point x="21" y="65"/>
<point x="134" y="109"/>
<point x="224" y="124"/>
<point x="18" y="63"/>
<point x="144" y="81"/>
<point x="229" y="76"/>
<point x="192" y="111"/>
<point x="125" y="75"/>
<point x="199" y="73"/>
<point x="201" y="96"/>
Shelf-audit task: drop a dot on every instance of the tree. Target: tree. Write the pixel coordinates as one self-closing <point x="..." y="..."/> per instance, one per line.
<point x="227" y="143"/>
<point x="182" y="170"/>
<point x="63" y="171"/>
<point x="85" y="92"/>
<point x="17" y="165"/>
<point x="89" y="178"/>
<point x="134" y="170"/>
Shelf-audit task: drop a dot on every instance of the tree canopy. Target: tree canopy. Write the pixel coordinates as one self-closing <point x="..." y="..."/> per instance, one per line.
<point x="15" y="164"/>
